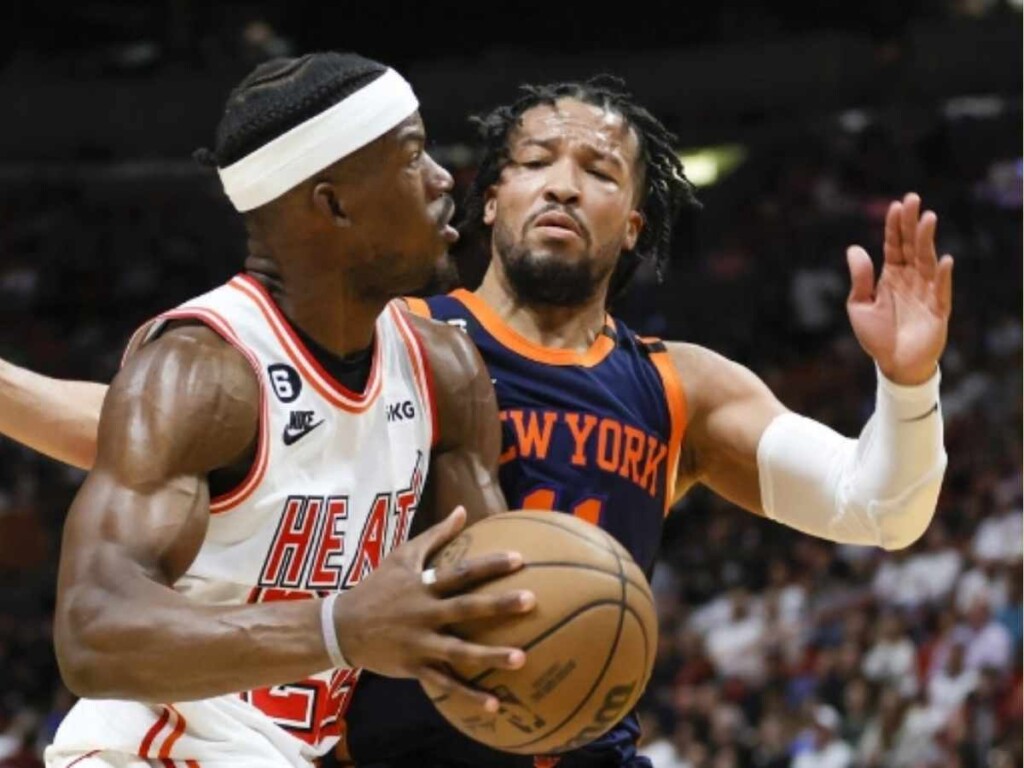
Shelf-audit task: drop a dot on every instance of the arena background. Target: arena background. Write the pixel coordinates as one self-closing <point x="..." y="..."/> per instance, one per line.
<point x="799" y="124"/>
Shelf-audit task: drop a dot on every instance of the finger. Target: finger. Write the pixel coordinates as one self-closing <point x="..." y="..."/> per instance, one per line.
<point x="893" y="239"/>
<point x="449" y="649"/>
<point x="437" y="535"/>
<point x="862" y="276"/>
<point x="444" y="685"/>
<point x="464" y="574"/>
<point x="908" y="225"/>
<point x="944" y="285"/>
<point x="456" y="610"/>
<point x="924" y="247"/>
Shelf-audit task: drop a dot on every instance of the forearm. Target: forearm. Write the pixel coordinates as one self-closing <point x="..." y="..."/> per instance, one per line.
<point x="123" y="635"/>
<point x="53" y="416"/>
<point x="878" y="490"/>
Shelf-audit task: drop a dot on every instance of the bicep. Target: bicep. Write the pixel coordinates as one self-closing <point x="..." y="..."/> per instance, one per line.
<point x="172" y="415"/>
<point x="732" y="407"/>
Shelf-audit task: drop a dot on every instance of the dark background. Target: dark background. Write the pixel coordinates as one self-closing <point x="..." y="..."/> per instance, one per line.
<point x="836" y="109"/>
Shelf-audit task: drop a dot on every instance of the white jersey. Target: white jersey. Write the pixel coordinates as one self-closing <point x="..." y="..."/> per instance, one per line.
<point x="333" y="488"/>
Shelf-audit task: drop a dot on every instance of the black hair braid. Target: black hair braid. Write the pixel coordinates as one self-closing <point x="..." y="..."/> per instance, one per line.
<point x="665" y="192"/>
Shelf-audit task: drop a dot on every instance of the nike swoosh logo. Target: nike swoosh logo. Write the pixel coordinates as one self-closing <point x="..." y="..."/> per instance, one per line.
<point x="291" y="436"/>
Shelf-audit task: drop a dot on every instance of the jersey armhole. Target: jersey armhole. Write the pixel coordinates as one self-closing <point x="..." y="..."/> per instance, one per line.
<point x="231" y="498"/>
<point x="141" y="335"/>
<point x="675" y="400"/>
<point x="418" y="357"/>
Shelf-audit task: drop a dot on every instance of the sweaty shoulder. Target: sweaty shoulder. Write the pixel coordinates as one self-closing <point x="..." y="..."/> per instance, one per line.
<point x="729" y="409"/>
<point x="186" y="403"/>
<point x="461" y="381"/>
<point x="707" y="376"/>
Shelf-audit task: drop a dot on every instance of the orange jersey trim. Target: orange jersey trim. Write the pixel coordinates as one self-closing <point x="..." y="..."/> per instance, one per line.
<point x="418" y="307"/>
<point x="675" y="398"/>
<point x="179" y="728"/>
<point x="170" y="714"/>
<point x="421" y="367"/>
<point x="152" y="733"/>
<point x="332" y="391"/>
<point x="488" y="318"/>
<point x="244" y="489"/>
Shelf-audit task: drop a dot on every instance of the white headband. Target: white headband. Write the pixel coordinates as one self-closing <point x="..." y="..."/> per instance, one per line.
<point x="268" y="172"/>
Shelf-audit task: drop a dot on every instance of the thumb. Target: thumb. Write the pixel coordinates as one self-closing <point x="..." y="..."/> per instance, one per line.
<point x="862" y="275"/>
<point x="439" y="534"/>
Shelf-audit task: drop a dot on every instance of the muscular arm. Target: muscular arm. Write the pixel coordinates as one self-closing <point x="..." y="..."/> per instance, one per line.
<point x="464" y="466"/>
<point x="56" y="417"/>
<point x="729" y="410"/>
<point x="183" y="406"/>
<point x="880" y="489"/>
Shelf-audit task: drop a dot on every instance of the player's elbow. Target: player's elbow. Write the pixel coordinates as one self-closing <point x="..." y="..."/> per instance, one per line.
<point x="79" y="670"/>
<point x="902" y="539"/>
<point x="94" y="650"/>
<point x="902" y="525"/>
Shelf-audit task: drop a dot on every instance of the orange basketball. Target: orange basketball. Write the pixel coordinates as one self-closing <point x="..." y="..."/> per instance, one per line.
<point x="590" y="642"/>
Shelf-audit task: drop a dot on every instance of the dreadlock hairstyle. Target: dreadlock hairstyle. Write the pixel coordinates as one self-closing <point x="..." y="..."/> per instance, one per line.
<point x="665" y="192"/>
<point x="281" y="94"/>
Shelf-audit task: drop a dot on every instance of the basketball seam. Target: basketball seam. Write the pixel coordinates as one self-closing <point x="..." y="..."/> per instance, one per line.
<point x="542" y="636"/>
<point x="604" y="669"/>
<point x="534" y="517"/>
<point x="643" y="631"/>
<point x="644" y="587"/>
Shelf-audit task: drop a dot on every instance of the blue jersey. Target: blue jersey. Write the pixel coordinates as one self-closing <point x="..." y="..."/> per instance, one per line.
<point x="594" y="434"/>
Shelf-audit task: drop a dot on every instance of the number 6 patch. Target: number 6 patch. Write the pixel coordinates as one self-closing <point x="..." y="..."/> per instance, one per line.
<point x="285" y="381"/>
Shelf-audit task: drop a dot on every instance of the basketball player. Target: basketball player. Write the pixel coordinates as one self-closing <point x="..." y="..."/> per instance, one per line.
<point x="259" y="455"/>
<point x="577" y="186"/>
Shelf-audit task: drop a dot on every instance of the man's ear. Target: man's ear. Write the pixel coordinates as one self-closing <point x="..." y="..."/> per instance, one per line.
<point x="490" y="206"/>
<point x="634" y="226"/>
<point x="327" y="202"/>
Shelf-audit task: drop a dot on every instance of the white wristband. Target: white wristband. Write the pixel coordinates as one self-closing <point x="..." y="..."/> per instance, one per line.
<point x="329" y="633"/>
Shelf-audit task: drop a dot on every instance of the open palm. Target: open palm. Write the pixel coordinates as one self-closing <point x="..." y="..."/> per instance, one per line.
<point x="902" y="320"/>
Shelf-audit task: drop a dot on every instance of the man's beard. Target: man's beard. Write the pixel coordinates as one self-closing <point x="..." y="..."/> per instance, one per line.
<point x="548" y="280"/>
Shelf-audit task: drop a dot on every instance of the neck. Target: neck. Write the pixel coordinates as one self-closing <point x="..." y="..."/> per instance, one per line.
<point x="572" y="328"/>
<point x="321" y="301"/>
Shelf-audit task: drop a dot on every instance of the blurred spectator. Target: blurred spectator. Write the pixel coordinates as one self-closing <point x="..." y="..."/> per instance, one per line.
<point x="892" y="659"/>
<point x="17" y="742"/>
<point x="948" y="689"/>
<point x="988" y="643"/>
<point x="770" y="749"/>
<point x="827" y="750"/>
<point x="736" y="645"/>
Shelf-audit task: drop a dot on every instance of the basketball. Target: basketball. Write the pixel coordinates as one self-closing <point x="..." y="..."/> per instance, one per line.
<point x="590" y="642"/>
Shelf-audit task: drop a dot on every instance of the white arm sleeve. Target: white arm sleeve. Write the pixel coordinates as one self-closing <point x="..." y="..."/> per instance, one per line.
<point x="879" y="490"/>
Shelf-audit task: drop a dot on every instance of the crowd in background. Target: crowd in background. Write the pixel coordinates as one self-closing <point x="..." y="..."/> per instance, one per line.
<point x="776" y="649"/>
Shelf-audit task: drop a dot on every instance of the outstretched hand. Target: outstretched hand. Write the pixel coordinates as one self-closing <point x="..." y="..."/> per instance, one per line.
<point x="393" y="623"/>
<point x="903" y="319"/>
